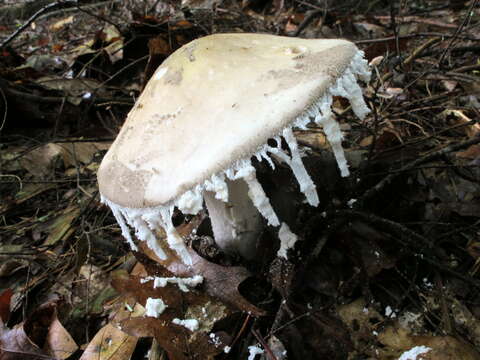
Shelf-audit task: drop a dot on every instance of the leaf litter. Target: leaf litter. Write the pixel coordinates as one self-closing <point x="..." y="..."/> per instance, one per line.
<point x="409" y="243"/>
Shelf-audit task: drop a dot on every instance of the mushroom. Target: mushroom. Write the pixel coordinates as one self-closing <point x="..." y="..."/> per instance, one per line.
<point x="206" y="112"/>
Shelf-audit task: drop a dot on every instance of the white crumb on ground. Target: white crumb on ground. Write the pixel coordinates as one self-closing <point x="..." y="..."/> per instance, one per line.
<point x="413" y="353"/>
<point x="190" y="324"/>
<point x="154" y="307"/>
<point x="254" y="350"/>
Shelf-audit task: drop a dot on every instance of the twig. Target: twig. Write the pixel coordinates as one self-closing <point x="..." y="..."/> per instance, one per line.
<point x="416" y="19"/>
<point x="4" y="98"/>
<point x="15" y="177"/>
<point x="400" y="229"/>
<point x="307" y="21"/>
<point x="394" y="28"/>
<point x="156" y="352"/>
<point x="413" y="56"/>
<point x="459" y="29"/>
<point x="133" y="63"/>
<point x="416" y="240"/>
<point x="388" y="179"/>
<point x="102" y="139"/>
<point x="242" y="329"/>
<point x="467" y="68"/>
<point x="43" y="181"/>
<point x="445" y="309"/>
<point x="264" y="344"/>
<point x="77" y="170"/>
<point x="102" y="18"/>
<point x="73" y="9"/>
<point x="32" y="18"/>
<point x="59" y="99"/>
<point x="412" y="36"/>
<point x="288" y="323"/>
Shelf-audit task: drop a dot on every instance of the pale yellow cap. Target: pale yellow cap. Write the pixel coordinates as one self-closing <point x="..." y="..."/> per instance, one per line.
<point x="214" y="101"/>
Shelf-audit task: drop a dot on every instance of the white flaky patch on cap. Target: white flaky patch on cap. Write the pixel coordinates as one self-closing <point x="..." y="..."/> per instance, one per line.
<point x="145" y="220"/>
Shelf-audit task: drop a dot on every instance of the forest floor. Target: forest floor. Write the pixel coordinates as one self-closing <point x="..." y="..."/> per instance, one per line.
<point x="389" y="263"/>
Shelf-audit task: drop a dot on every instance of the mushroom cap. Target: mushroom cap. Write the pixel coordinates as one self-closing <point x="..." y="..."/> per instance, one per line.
<point x="215" y="101"/>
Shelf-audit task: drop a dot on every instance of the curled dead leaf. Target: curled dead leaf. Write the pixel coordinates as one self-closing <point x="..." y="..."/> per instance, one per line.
<point x="220" y="282"/>
<point x="40" y="336"/>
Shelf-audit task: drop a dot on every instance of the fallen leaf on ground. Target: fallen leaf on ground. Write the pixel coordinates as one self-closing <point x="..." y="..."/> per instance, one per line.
<point x="40" y="336"/>
<point x="473" y="152"/>
<point x="442" y="347"/>
<point x="192" y="305"/>
<point x="219" y="281"/>
<point x="61" y="227"/>
<point x="40" y="162"/>
<point x="110" y="343"/>
<point x="5" y="298"/>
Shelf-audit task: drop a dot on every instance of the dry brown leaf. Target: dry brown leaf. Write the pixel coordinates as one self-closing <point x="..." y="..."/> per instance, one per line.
<point x="199" y="4"/>
<point x="442" y="347"/>
<point x="367" y="244"/>
<point x="59" y="342"/>
<point x="219" y="281"/>
<point x="15" y="345"/>
<point x="458" y="117"/>
<point x="366" y="141"/>
<point x="473" y="152"/>
<point x="314" y="139"/>
<point x="110" y="343"/>
<point x="40" y="161"/>
<point x="449" y="85"/>
<point x="358" y="315"/>
<point x="75" y="153"/>
<point x="24" y="194"/>
<point x="473" y="250"/>
<point x="61" y="227"/>
<point x="5" y="297"/>
<point x="449" y="23"/>
<point x="175" y="339"/>
<point x="369" y="30"/>
<point x="40" y="336"/>
<point x="62" y="23"/>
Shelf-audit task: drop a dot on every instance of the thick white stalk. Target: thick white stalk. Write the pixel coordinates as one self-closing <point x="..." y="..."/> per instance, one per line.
<point x="235" y="223"/>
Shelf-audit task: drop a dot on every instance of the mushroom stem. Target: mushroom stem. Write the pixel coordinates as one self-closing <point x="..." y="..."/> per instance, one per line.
<point x="237" y="222"/>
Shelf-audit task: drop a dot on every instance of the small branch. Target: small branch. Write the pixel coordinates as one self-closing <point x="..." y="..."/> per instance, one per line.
<point x="5" y="112"/>
<point x="264" y="344"/>
<point x="402" y="232"/>
<point x="314" y="14"/>
<point x="412" y="36"/>
<point x="459" y="29"/>
<point x="32" y="18"/>
<point x="43" y="181"/>
<point x="467" y="68"/>
<point x="415" y="240"/>
<point x="413" y="55"/>
<point x="102" y="18"/>
<point x="388" y="179"/>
